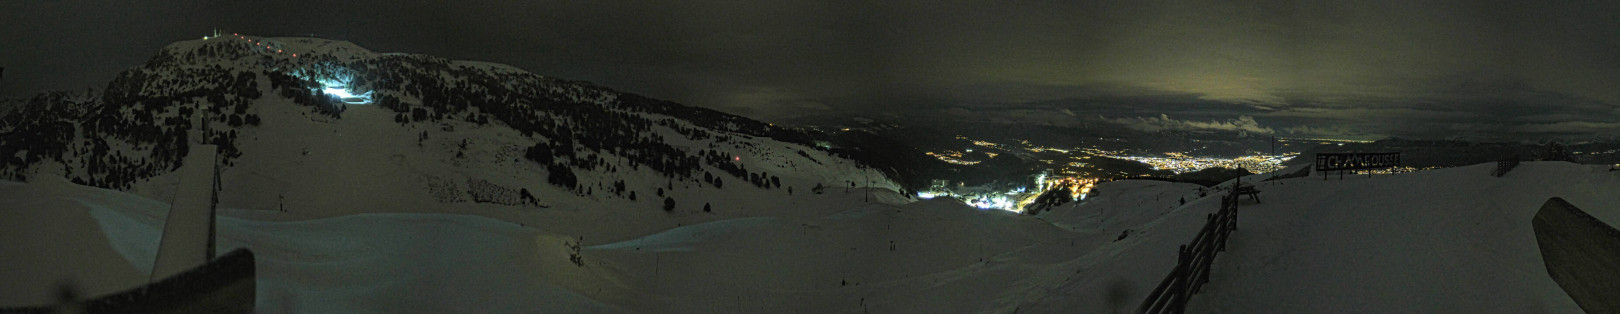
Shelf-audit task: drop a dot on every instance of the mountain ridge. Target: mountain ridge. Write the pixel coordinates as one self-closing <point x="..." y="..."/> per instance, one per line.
<point x="506" y="128"/>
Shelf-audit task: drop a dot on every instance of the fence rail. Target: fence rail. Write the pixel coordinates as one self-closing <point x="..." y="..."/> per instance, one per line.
<point x="1193" y="263"/>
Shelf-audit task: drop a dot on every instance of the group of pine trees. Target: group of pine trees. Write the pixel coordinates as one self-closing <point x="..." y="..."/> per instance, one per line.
<point x="129" y="111"/>
<point x="574" y="123"/>
<point x="151" y="109"/>
<point x="41" y="130"/>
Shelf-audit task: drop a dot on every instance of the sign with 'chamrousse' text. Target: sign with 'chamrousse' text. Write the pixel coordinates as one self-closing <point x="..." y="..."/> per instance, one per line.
<point x="1356" y="161"/>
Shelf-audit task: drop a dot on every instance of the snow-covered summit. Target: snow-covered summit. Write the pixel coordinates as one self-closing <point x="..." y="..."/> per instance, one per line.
<point x="307" y="123"/>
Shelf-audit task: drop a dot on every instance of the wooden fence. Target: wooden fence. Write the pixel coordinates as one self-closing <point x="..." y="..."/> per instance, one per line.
<point x="1502" y="167"/>
<point x="1192" y="265"/>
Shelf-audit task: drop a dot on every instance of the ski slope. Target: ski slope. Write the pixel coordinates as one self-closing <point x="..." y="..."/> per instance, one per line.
<point x="1448" y="240"/>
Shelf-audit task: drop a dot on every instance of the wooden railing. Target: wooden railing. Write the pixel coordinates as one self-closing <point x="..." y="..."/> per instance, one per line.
<point x="1193" y="263"/>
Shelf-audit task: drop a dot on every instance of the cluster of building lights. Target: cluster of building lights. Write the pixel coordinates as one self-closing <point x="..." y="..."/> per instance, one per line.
<point x="1014" y="200"/>
<point x="1039" y="149"/>
<point x="1180" y="163"/>
<point x="953" y="157"/>
<point x="1078" y="187"/>
<point x="1074" y="178"/>
<point x="1008" y="201"/>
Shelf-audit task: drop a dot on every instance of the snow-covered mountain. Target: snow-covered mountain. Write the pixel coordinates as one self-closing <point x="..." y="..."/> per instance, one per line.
<point x="320" y="128"/>
<point x="415" y="203"/>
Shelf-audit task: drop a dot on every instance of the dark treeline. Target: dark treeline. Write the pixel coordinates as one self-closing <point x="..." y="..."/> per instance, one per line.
<point x="574" y="123"/>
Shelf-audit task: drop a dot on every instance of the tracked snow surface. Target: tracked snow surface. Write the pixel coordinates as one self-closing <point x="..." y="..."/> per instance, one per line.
<point x="1435" y="241"/>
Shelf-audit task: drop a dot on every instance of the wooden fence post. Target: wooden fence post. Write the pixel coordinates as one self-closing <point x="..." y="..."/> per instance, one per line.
<point x="1194" y="279"/>
<point x="1180" y="288"/>
<point x="1195" y="260"/>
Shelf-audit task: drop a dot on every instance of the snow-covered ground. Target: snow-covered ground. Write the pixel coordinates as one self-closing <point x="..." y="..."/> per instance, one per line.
<point x="1449" y="240"/>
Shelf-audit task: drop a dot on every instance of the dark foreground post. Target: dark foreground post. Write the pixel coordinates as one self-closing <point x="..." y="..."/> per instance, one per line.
<point x="1581" y="253"/>
<point x="225" y="285"/>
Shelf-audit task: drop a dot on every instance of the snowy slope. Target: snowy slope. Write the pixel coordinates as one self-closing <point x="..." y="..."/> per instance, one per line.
<point x="406" y="192"/>
<point x="441" y="136"/>
<point x="414" y="262"/>
<point x="51" y="240"/>
<point x="371" y="262"/>
<point x="1449" y="240"/>
<point x="1119" y="205"/>
<point x="838" y="260"/>
<point x="412" y="204"/>
<point x="1434" y="241"/>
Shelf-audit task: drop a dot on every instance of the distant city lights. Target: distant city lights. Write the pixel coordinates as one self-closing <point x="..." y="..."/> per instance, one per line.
<point x="1181" y="163"/>
<point x="1074" y="171"/>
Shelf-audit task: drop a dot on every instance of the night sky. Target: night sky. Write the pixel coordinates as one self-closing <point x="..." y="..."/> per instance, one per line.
<point x="1469" y="69"/>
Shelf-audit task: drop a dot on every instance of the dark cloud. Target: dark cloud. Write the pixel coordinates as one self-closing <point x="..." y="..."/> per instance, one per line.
<point x="1374" y="67"/>
<point x="1163" y="122"/>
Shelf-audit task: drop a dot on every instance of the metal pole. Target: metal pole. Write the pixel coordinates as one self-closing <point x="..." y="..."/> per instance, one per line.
<point x="868" y="197"/>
